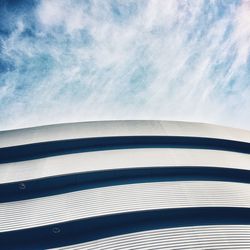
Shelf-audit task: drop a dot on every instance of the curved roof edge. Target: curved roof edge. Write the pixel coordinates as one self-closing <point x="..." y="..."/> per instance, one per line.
<point x="119" y="128"/>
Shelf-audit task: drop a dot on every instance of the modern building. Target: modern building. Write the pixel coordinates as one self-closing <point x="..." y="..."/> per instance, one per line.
<point x="125" y="185"/>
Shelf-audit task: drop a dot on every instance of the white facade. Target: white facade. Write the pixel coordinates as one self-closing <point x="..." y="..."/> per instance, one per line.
<point x="125" y="185"/>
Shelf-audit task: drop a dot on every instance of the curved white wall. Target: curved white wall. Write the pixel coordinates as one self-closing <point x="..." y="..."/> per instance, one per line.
<point x="48" y="194"/>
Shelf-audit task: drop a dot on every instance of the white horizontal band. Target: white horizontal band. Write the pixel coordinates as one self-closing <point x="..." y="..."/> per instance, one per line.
<point x="118" y="159"/>
<point x="119" y="199"/>
<point x="119" y="128"/>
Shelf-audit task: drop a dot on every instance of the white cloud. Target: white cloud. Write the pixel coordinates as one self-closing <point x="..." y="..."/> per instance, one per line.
<point x="60" y="12"/>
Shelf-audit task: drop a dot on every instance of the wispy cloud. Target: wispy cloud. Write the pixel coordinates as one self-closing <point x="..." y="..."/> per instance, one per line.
<point x="65" y="61"/>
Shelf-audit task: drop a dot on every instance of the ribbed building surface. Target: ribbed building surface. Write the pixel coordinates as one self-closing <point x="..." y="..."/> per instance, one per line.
<point x="125" y="185"/>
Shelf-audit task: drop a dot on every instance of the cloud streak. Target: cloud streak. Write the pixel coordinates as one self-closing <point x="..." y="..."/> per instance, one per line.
<point x="67" y="61"/>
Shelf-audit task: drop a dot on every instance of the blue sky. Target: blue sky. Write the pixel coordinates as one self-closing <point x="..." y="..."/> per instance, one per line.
<point x="69" y="61"/>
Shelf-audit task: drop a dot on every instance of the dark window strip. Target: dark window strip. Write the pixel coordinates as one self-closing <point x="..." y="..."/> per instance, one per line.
<point x="79" y="181"/>
<point x="52" y="148"/>
<point x="84" y="230"/>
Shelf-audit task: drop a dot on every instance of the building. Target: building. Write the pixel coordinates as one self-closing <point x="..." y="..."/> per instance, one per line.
<point x="125" y="185"/>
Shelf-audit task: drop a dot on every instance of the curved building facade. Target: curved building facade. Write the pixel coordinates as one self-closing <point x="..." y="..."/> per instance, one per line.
<point x="125" y="185"/>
